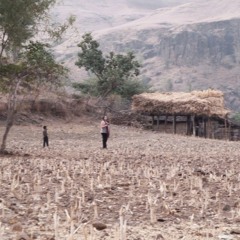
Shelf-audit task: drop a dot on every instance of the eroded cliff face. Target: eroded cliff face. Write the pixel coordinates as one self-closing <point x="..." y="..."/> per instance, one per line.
<point x="216" y="43"/>
<point x="186" y="57"/>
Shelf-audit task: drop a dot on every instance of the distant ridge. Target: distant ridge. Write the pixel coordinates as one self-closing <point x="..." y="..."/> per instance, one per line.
<point x="194" y="45"/>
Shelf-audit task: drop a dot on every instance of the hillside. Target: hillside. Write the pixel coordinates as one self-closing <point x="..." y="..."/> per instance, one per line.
<point x="168" y="187"/>
<point x="94" y="16"/>
<point x="193" y="45"/>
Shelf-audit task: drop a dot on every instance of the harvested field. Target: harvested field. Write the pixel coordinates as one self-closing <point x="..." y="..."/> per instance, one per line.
<point x="146" y="186"/>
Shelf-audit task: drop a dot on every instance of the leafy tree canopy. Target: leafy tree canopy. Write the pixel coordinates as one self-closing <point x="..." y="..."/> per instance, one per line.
<point x="35" y="68"/>
<point x="115" y="73"/>
<point x="19" y="21"/>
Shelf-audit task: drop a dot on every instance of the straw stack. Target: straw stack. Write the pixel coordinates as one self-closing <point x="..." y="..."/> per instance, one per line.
<point x="201" y="103"/>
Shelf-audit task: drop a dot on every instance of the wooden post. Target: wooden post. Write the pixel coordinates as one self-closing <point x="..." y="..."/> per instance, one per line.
<point x="165" y="124"/>
<point x="205" y="127"/>
<point x="225" y="128"/>
<point x="153" y="122"/>
<point x="194" y="125"/>
<point x="174" y="124"/>
<point x="188" y="125"/>
<point x="229" y="131"/>
<point x="210" y="132"/>
<point x="158" y="122"/>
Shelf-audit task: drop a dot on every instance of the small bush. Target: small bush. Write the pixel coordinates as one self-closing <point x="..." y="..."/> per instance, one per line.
<point x="236" y="117"/>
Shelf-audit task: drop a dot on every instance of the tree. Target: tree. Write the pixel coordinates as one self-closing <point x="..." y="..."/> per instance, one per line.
<point x="24" y="65"/>
<point x="115" y="73"/>
<point x="35" y="68"/>
<point x="19" y="22"/>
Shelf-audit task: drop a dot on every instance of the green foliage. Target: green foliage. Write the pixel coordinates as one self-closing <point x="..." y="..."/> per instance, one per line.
<point x="132" y="87"/>
<point x="89" y="86"/>
<point x="19" y="20"/>
<point x="7" y="74"/>
<point x="34" y="63"/>
<point x="41" y="64"/>
<point x="56" y="31"/>
<point x="115" y="73"/>
<point x="127" y="90"/>
<point x="236" y="117"/>
<point x="35" y="68"/>
<point x="90" y="57"/>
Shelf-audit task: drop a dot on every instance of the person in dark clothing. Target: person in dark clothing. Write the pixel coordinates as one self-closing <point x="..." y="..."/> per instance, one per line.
<point x="105" y="131"/>
<point x="45" y="136"/>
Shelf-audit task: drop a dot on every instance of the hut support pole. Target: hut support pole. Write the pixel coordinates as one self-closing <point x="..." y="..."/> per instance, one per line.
<point x="194" y="125"/>
<point x="225" y="128"/>
<point x="205" y="127"/>
<point x="174" y="124"/>
<point x="188" y="125"/>
<point x="158" y="122"/>
<point x="209" y="127"/>
<point x="153" y="122"/>
<point x="229" y="131"/>
<point x="165" y="124"/>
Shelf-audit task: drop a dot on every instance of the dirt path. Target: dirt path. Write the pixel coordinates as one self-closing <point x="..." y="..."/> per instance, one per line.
<point x="158" y="186"/>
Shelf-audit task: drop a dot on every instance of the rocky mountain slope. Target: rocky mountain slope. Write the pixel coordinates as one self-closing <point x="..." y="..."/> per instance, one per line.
<point x="182" y="46"/>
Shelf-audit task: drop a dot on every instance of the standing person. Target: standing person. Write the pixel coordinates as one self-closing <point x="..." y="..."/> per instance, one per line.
<point x="45" y="136"/>
<point x="105" y="131"/>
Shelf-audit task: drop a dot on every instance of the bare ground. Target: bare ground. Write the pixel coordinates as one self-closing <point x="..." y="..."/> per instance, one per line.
<point x="145" y="186"/>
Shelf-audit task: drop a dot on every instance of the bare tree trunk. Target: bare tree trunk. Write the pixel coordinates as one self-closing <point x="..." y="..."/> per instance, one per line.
<point x="3" y="46"/>
<point x="9" y="125"/>
<point x="11" y="113"/>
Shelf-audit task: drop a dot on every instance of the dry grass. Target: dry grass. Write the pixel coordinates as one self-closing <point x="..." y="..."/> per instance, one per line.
<point x="145" y="185"/>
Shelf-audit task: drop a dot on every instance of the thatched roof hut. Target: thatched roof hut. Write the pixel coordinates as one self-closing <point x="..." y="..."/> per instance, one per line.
<point x="209" y="103"/>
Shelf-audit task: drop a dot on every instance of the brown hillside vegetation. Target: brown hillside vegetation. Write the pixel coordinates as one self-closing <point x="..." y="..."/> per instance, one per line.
<point x="146" y="186"/>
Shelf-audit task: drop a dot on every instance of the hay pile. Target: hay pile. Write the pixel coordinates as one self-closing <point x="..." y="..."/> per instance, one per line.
<point x="205" y="103"/>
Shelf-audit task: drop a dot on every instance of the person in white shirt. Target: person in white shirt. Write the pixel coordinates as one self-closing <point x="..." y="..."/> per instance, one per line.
<point x="104" y="131"/>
